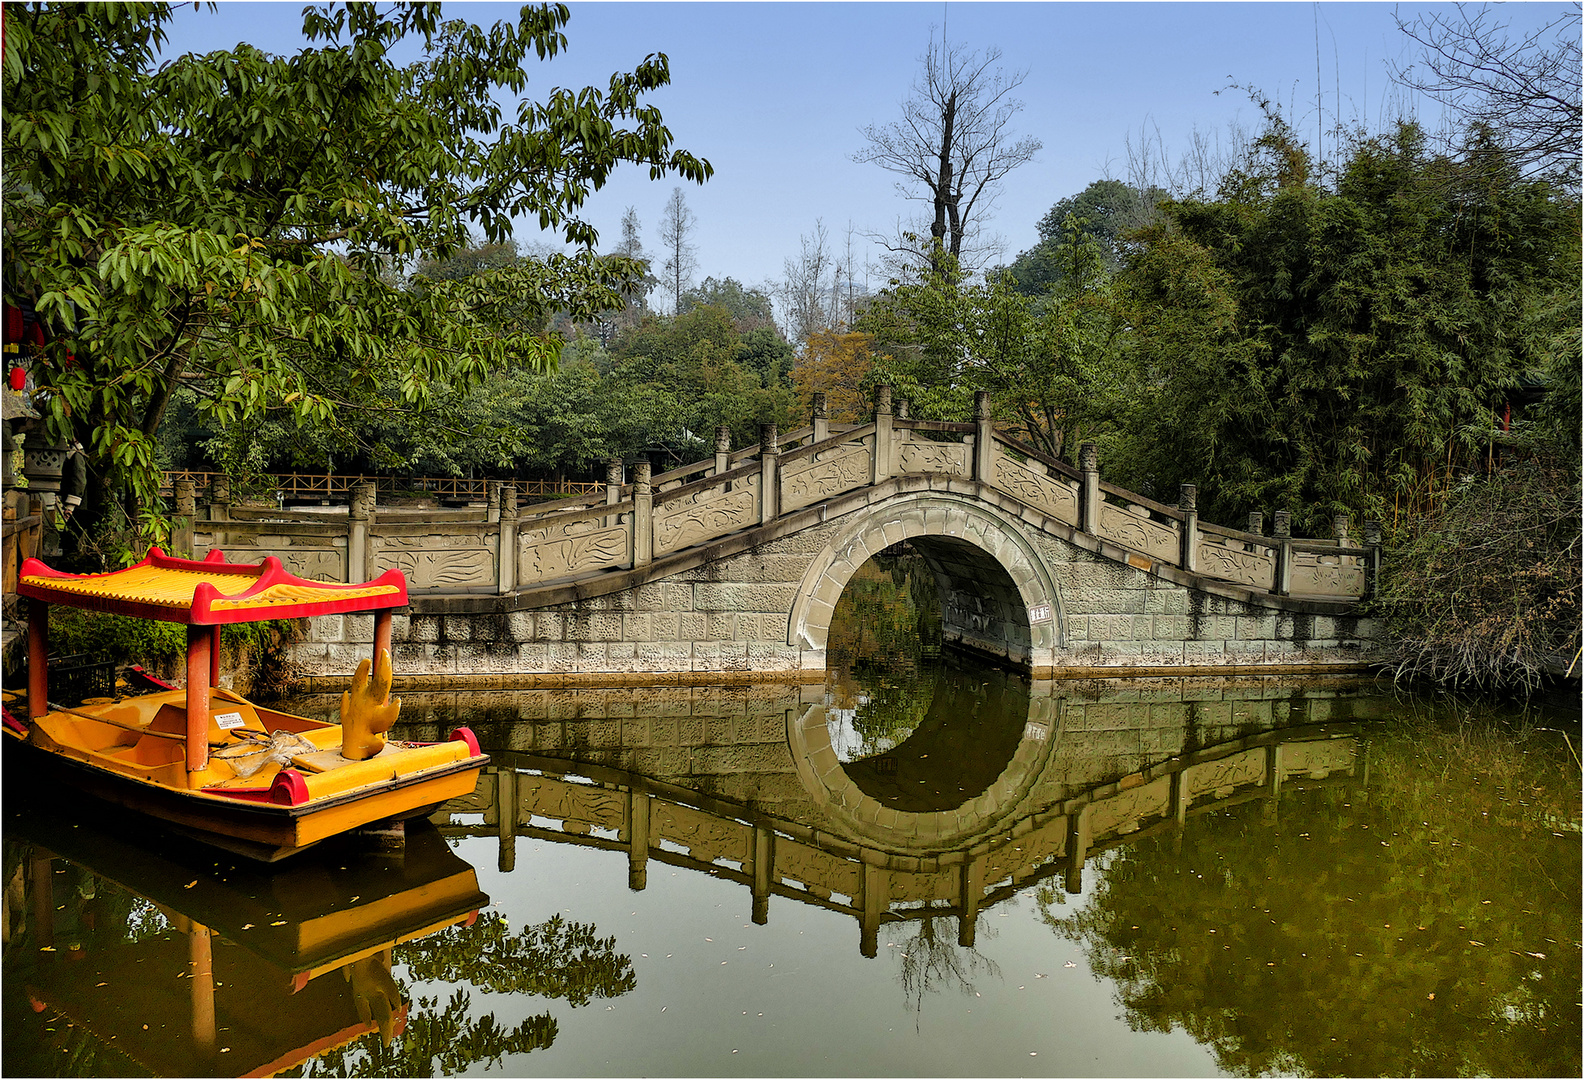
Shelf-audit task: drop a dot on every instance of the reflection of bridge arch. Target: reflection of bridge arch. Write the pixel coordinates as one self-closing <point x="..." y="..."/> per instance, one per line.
<point x="645" y="819"/>
<point x="870" y="821"/>
<point x="997" y="595"/>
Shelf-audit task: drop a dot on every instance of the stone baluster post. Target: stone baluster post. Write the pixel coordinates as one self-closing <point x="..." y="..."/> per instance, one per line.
<point x="220" y="500"/>
<point x="642" y="542"/>
<point x="1256" y="522"/>
<point x="883" y="464"/>
<point x="821" y="418"/>
<point x="722" y="448"/>
<point x="983" y="439"/>
<point x="613" y="486"/>
<point x="1339" y="528"/>
<point x="186" y="510"/>
<point x="1089" y="488"/>
<point x="1188" y="547"/>
<point x="637" y="840"/>
<point x="492" y="501"/>
<point x="506" y="547"/>
<point x="1078" y="839"/>
<point x="506" y="818"/>
<point x="1281" y="532"/>
<point x="763" y="872"/>
<point x="971" y="883"/>
<point x="903" y="409"/>
<point x="1372" y="561"/>
<point x="876" y="901"/>
<point x="769" y="474"/>
<point x="360" y="515"/>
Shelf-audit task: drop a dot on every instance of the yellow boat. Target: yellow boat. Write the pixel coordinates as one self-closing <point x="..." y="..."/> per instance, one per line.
<point x="206" y="761"/>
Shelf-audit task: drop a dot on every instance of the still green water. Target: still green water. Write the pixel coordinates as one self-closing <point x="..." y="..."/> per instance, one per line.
<point x="946" y="872"/>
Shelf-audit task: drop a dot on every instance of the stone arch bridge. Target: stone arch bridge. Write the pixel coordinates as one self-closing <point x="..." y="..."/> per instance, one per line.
<point x="732" y="567"/>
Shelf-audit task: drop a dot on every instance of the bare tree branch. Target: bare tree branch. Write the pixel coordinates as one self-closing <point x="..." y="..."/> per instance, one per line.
<point x="954" y="143"/>
<point x="1523" y="88"/>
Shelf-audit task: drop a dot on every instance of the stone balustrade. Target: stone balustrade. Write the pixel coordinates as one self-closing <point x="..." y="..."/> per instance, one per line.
<point x="642" y="519"/>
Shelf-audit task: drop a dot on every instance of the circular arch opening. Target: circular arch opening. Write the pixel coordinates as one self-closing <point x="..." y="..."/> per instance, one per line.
<point x="996" y="598"/>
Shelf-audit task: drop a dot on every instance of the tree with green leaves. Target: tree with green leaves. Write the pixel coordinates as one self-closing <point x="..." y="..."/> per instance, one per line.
<point x="715" y="375"/>
<point x="1347" y="346"/>
<point x="1106" y="211"/>
<point x="236" y="223"/>
<point x="749" y="308"/>
<point x="1051" y="364"/>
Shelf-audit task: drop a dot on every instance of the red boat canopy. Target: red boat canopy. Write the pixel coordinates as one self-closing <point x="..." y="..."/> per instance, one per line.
<point x="208" y="593"/>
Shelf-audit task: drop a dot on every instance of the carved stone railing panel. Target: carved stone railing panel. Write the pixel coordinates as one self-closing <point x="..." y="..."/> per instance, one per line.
<point x="826" y="475"/>
<point x="439" y="561"/>
<point x="1318" y="760"/>
<point x="569" y="803"/>
<point x="1135" y="529"/>
<point x="923" y="886"/>
<point x="818" y="871"/>
<point x="1230" y="560"/>
<point x="1122" y="813"/>
<point x="1047" y="842"/>
<point x="706" y="514"/>
<point x="1055" y="495"/>
<point x="316" y="563"/>
<point x="705" y="836"/>
<point x="1226" y="774"/>
<point x="1327" y="575"/>
<point x="570" y="547"/>
<point x="933" y="457"/>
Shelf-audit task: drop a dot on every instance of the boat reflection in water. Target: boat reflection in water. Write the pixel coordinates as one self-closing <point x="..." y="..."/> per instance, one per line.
<point x="986" y="788"/>
<point x="189" y="967"/>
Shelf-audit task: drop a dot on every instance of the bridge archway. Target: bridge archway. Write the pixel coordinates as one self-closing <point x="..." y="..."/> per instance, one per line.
<point x="997" y="595"/>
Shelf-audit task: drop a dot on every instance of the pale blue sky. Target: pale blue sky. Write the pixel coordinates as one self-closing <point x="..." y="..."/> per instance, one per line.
<point x="773" y="94"/>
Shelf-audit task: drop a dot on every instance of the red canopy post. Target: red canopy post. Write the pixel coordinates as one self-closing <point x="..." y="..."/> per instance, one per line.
<point x="382" y="631"/>
<point x="38" y="658"/>
<point x="200" y="655"/>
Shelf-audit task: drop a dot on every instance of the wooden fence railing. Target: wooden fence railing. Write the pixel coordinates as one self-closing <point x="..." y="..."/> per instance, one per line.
<point x="340" y="485"/>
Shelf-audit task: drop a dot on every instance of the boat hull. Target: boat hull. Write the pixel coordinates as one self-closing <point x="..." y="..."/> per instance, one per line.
<point x="256" y="830"/>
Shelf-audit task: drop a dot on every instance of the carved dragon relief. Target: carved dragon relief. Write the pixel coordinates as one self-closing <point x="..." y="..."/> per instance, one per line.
<point x="816" y="869"/>
<point x="438" y="562"/>
<point x="708" y="514"/>
<point x="1039" y="491"/>
<point x="1138" y="533"/>
<point x="316" y="564"/>
<point x="571" y="548"/>
<point x="951" y="458"/>
<point x="823" y="478"/>
<point x="562" y="801"/>
<point x="1229" y="564"/>
<point x="705" y="836"/>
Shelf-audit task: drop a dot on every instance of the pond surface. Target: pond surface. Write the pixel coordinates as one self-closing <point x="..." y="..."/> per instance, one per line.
<point x="953" y="871"/>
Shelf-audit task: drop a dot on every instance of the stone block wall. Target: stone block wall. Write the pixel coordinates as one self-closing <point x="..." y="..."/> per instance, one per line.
<point x="1055" y="600"/>
<point x="1114" y="614"/>
<point x="725" y="617"/>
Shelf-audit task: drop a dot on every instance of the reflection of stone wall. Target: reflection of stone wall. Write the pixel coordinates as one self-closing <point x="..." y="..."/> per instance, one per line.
<point x="717" y="791"/>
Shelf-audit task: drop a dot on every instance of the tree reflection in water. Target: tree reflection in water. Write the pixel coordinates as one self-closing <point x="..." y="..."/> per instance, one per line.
<point x="1463" y="844"/>
<point x="933" y="961"/>
<point x="555" y="959"/>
